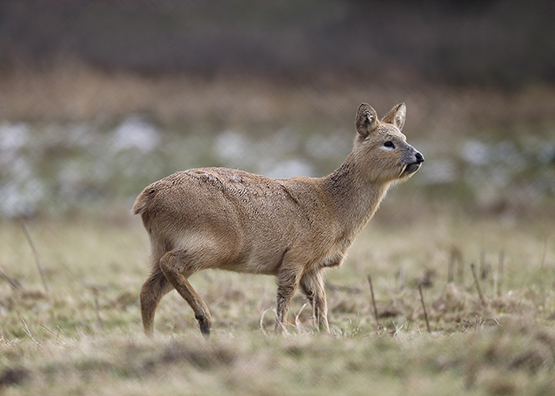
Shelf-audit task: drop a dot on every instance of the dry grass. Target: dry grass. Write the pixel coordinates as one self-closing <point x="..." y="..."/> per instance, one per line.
<point x="82" y="333"/>
<point x="84" y="336"/>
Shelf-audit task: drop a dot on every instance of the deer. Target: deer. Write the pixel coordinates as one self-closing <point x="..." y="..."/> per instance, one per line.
<point x="291" y="228"/>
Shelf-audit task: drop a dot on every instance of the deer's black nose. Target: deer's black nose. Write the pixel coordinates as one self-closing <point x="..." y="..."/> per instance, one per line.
<point x="419" y="158"/>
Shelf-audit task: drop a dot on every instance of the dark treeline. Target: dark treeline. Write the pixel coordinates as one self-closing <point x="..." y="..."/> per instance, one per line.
<point x="504" y="43"/>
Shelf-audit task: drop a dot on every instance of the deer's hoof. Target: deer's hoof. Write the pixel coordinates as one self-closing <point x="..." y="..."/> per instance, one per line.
<point x="204" y="324"/>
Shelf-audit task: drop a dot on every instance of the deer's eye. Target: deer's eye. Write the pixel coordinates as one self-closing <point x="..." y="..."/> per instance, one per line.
<point x="389" y="144"/>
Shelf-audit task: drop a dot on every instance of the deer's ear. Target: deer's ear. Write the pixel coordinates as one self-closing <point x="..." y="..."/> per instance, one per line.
<point x="396" y="116"/>
<point x="366" y="120"/>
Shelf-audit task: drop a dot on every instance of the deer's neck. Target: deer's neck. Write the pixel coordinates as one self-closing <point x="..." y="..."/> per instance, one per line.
<point x="355" y="198"/>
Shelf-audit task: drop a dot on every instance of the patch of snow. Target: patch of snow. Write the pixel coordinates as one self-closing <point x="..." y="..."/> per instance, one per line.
<point x="135" y="132"/>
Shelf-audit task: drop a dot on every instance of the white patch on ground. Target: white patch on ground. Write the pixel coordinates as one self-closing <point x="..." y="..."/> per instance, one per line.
<point x="135" y="132"/>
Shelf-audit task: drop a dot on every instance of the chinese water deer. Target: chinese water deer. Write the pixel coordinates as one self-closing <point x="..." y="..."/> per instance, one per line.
<point x="290" y="228"/>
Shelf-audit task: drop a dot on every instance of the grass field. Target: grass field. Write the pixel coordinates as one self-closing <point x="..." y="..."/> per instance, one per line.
<point x="79" y="332"/>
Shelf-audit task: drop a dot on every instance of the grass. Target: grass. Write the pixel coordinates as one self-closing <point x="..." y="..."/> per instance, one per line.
<point x="84" y="336"/>
<point x="82" y="333"/>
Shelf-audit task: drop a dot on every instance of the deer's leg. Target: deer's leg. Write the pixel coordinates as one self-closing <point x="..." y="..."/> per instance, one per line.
<point x="288" y="281"/>
<point x="312" y="285"/>
<point x="155" y="287"/>
<point x="176" y="265"/>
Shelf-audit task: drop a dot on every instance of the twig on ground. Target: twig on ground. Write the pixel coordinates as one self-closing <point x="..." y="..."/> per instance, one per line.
<point x="376" y="316"/>
<point x="500" y="273"/>
<point x="451" y="267"/>
<point x="97" y="310"/>
<point x="484" y="266"/>
<point x="95" y="288"/>
<point x="37" y="260"/>
<point x="424" y="307"/>
<point x="298" y="323"/>
<point x="458" y="256"/>
<point x="28" y="332"/>
<point x="262" y="319"/>
<point x="14" y="284"/>
<point x="477" y="282"/>
<point x="52" y="332"/>
<point x="61" y="331"/>
<point x="543" y="253"/>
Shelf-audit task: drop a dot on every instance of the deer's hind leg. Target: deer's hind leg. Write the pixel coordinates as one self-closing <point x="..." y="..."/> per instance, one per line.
<point x="177" y="266"/>
<point x="155" y="287"/>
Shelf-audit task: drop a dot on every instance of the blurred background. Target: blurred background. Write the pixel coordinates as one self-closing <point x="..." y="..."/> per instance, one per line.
<point x="100" y="98"/>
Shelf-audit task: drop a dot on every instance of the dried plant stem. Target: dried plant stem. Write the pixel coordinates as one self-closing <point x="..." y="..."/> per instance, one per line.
<point x="95" y="288"/>
<point x="543" y="253"/>
<point x="28" y="332"/>
<point x="52" y="332"/>
<point x="473" y="267"/>
<point x="376" y="316"/>
<point x="484" y="270"/>
<point x="451" y="267"/>
<point x="424" y="307"/>
<point x="495" y="279"/>
<point x="37" y="259"/>
<point x="500" y="271"/>
<point x="14" y="284"/>
<point x="262" y="320"/>
<point x="97" y="310"/>
<point x="298" y="323"/>
<point x="460" y="270"/>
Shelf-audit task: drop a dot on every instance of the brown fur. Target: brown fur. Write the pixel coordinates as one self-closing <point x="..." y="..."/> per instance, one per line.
<point x="290" y="228"/>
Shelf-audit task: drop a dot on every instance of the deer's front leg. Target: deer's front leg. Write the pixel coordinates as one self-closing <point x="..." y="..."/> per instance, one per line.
<point x="312" y="285"/>
<point x="288" y="281"/>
